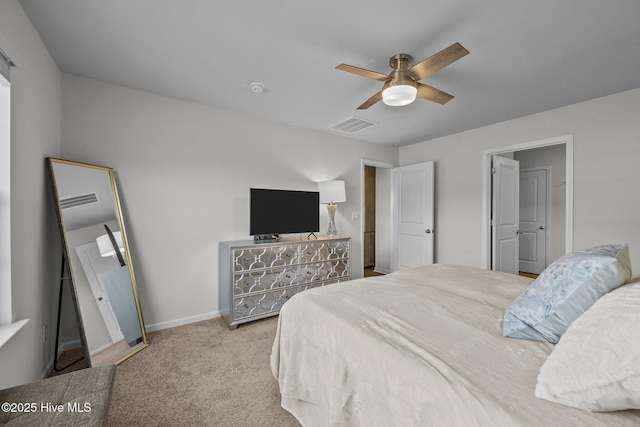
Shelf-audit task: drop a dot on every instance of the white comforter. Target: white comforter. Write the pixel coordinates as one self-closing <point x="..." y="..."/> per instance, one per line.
<point x="421" y="347"/>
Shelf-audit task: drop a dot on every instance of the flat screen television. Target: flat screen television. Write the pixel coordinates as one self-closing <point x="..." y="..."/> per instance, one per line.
<point x="274" y="212"/>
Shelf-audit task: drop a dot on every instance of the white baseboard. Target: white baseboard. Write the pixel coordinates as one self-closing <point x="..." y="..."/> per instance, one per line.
<point x="182" y="321"/>
<point x="381" y="271"/>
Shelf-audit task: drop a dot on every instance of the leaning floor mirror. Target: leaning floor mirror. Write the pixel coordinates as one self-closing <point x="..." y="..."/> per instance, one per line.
<point x="97" y="258"/>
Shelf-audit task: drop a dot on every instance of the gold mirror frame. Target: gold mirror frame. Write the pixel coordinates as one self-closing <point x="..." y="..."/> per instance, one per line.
<point x="88" y="207"/>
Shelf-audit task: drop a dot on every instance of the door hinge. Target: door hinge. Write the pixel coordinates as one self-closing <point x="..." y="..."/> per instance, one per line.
<point x="493" y="171"/>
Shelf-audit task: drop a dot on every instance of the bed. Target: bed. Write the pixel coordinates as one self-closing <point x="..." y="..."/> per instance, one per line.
<point x="419" y="347"/>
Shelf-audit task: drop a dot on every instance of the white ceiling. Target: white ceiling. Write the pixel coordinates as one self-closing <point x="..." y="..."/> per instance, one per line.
<point x="525" y="56"/>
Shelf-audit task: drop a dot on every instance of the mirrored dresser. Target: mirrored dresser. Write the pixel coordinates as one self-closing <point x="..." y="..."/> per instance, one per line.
<point x="256" y="279"/>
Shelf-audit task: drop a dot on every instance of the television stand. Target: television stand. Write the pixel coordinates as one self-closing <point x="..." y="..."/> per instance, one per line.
<point x="266" y="238"/>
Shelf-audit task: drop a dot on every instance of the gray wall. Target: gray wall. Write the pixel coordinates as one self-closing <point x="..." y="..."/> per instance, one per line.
<point x="606" y="174"/>
<point x="184" y="171"/>
<point x="35" y="247"/>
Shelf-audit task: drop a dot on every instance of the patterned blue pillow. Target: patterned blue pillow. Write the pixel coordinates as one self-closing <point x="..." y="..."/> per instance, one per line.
<point x="565" y="290"/>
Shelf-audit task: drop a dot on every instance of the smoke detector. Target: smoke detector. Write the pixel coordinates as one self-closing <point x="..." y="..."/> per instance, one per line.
<point x="256" y="87"/>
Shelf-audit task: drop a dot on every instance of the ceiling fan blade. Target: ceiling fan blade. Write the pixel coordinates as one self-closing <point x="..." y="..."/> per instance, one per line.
<point x="430" y="93"/>
<point x="362" y="72"/>
<point x="438" y="61"/>
<point x="369" y="102"/>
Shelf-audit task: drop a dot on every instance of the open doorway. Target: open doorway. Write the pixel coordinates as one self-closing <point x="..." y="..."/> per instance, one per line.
<point x="375" y="220"/>
<point x="524" y="195"/>
<point x="369" y="218"/>
<point x="534" y="155"/>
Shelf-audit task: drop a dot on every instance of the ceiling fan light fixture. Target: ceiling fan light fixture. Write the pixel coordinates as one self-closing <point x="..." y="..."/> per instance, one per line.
<point x="399" y="95"/>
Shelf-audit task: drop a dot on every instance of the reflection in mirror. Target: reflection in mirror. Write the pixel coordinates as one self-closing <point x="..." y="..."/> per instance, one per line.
<point x="95" y="247"/>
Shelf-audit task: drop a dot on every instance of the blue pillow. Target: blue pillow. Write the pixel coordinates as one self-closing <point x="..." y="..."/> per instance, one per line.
<point x="565" y="290"/>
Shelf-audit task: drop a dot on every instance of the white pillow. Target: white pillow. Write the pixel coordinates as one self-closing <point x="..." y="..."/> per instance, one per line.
<point x="596" y="363"/>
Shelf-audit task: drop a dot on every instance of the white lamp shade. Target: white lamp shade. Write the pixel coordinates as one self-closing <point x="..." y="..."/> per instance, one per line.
<point x="399" y="95"/>
<point x="105" y="246"/>
<point x="332" y="191"/>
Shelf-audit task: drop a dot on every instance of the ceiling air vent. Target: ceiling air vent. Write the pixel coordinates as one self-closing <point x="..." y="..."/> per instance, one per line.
<point x="72" y="202"/>
<point x="352" y="125"/>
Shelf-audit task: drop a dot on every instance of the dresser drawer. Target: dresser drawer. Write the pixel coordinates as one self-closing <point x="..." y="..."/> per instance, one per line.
<point x="261" y="304"/>
<point x="264" y="280"/>
<point x="264" y="257"/>
<point x="322" y="251"/>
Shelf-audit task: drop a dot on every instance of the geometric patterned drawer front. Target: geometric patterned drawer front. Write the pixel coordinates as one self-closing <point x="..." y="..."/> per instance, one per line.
<point x="257" y="279"/>
<point x="264" y="280"/>
<point x="321" y="271"/>
<point x="255" y="305"/>
<point x="339" y="269"/>
<point x="322" y="251"/>
<point x="275" y="256"/>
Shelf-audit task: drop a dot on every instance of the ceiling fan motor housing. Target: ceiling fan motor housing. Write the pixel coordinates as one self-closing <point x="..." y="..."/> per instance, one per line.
<point x="400" y="61"/>
<point x="400" y="75"/>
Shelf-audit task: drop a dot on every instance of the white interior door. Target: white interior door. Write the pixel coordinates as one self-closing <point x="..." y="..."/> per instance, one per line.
<point x="413" y="212"/>
<point x="533" y="220"/>
<point x="505" y="215"/>
<point x="93" y="265"/>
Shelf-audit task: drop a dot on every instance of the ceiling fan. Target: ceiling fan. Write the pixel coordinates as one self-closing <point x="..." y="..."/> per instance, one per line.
<point x="402" y="85"/>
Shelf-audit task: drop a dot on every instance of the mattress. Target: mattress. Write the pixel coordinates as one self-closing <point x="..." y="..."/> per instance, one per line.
<point x="420" y="347"/>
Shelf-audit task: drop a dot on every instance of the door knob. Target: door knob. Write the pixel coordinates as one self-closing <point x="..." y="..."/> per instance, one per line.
<point x="541" y="228"/>
<point x="99" y="298"/>
<point x="428" y="231"/>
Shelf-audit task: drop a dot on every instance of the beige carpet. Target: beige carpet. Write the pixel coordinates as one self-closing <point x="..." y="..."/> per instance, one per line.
<point x="201" y="374"/>
<point x="70" y="360"/>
